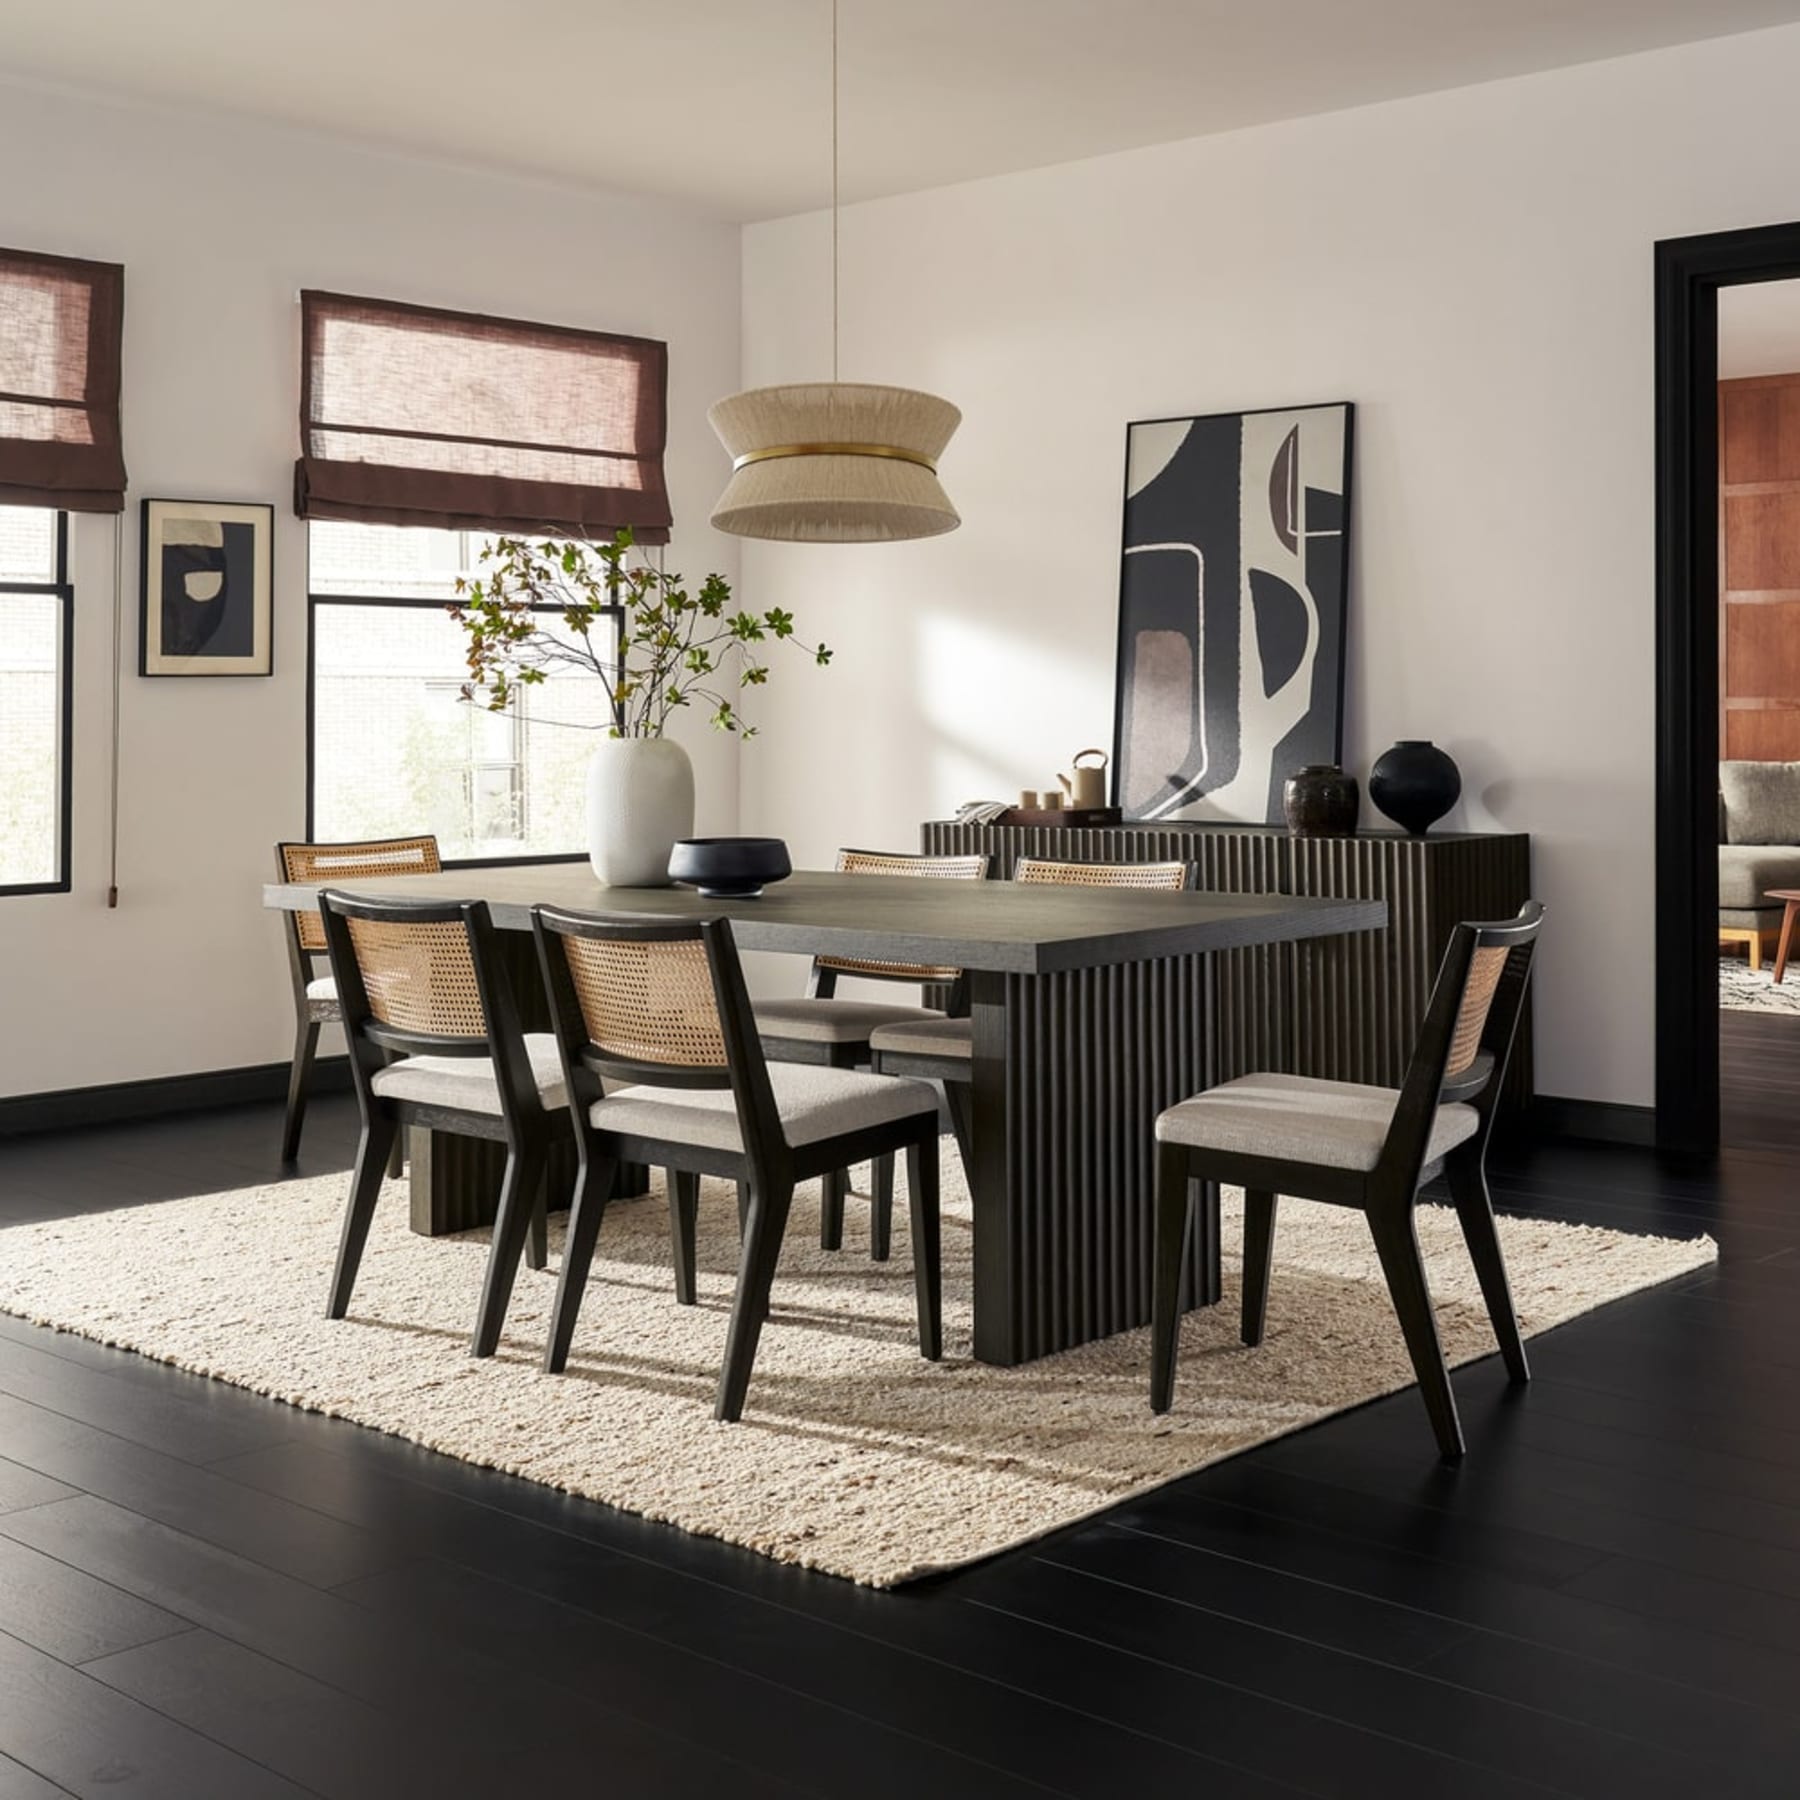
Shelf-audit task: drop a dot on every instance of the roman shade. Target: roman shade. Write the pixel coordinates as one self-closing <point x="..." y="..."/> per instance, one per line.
<point x="410" y="415"/>
<point x="60" y="324"/>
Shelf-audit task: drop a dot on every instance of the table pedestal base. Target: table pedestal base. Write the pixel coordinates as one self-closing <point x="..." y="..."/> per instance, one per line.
<point x="1070" y="1071"/>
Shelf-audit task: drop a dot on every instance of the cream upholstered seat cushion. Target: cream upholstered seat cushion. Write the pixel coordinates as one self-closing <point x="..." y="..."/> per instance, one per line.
<point x="322" y="998"/>
<point x="815" y="1104"/>
<point x="926" y="1037"/>
<point x="467" y="1082"/>
<point x="833" y="1021"/>
<point x="1297" y="1118"/>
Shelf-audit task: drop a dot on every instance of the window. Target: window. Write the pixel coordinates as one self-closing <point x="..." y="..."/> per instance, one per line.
<point x="393" y="748"/>
<point x="36" y="619"/>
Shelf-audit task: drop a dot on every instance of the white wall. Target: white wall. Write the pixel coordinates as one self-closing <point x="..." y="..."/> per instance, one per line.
<point x="1474" y="270"/>
<point x="219" y="224"/>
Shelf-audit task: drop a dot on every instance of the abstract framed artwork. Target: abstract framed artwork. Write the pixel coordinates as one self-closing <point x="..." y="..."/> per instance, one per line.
<point x="1232" y="586"/>
<point x="205" y="588"/>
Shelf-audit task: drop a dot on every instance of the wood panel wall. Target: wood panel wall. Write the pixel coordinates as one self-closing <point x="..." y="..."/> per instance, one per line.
<point x="1759" y="568"/>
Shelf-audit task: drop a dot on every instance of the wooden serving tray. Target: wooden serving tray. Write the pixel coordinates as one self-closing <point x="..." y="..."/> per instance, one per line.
<point x="1060" y="815"/>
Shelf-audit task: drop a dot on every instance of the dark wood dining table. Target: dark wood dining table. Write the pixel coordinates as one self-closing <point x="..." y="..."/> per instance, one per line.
<point x="1090" y="1010"/>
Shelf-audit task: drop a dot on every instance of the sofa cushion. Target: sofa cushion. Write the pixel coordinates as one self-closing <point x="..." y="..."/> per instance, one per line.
<point x="1762" y="802"/>
<point x="1748" y="871"/>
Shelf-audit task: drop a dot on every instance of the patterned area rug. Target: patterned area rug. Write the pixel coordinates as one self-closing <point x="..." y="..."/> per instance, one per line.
<point x="854" y="1456"/>
<point x="1742" y="990"/>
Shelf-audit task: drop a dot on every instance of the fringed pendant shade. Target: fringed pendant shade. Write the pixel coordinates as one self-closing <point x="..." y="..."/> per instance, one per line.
<point x="834" y="462"/>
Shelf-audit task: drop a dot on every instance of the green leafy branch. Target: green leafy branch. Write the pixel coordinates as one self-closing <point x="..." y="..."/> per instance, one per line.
<point x="538" y="605"/>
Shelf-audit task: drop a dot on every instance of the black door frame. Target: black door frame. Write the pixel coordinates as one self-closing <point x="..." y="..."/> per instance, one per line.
<point x="1689" y="273"/>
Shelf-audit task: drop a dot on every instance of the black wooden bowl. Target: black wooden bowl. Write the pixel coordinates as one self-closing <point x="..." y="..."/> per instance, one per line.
<point x="730" y="868"/>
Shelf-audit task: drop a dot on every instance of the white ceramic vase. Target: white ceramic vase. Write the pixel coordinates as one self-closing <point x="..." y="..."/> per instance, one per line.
<point x="640" y="801"/>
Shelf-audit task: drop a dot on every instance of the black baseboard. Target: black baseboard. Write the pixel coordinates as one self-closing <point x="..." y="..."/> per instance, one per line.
<point x="1597" y="1121"/>
<point x="124" y="1100"/>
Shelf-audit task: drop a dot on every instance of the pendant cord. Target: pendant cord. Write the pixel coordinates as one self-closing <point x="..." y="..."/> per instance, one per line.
<point x="834" y="190"/>
<point x="118" y="646"/>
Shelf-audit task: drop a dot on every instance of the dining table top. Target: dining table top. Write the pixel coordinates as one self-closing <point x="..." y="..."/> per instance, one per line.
<point x="1001" y="926"/>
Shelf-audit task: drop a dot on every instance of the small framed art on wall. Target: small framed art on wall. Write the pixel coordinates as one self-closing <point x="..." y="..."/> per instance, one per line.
<point x="205" y="588"/>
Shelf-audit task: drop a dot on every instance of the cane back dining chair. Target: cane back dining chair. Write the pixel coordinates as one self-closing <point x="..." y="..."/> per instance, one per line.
<point x="1370" y="1148"/>
<point x="435" y="1041"/>
<point x="818" y="1027"/>
<point x="660" y="1005"/>
<point x="943" y="1049"/>
<point x="315" y="995"/>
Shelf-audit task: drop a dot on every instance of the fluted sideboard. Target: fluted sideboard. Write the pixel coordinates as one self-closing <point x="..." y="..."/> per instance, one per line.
<point x="1342" y="1007"/>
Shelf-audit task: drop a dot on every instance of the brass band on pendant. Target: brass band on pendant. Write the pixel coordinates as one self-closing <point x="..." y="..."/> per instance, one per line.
<point x="888" y="450"/>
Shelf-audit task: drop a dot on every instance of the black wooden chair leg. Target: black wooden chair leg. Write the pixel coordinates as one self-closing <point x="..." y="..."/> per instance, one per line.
<point x="743" y="1206"/>
<point x="1172" y="1196"/>
<point x="365" y="1189"/>
<point x="1397" y="1244"/>
<point x="1475" y="1209"/>
<point x="512" y="1223"/>
<point x="593" y="1190"/>
<point x="833" y="1190"/>
<point x="922" y="1211"/>
<point x="959" y="1098"/>
<point x="1259" y="1252"/>
<point x="537" y="1239"/>
<point x="396" y="1162"/>
<point x="756" y="1276"/>
<point x="684" y="1215"/>
<point x="306" y="1047"/>
<point x="881" y="1208"/>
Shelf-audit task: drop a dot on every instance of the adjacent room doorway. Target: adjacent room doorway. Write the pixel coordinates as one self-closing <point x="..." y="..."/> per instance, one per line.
<point x="1727" y="599"/>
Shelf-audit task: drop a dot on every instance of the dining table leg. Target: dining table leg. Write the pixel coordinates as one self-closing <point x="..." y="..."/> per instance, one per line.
<point x="1070" y="1071"/>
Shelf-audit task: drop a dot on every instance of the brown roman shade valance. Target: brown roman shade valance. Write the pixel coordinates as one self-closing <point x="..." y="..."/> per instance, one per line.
<point x="60" y="325"/>
<point x="410" y="415"/>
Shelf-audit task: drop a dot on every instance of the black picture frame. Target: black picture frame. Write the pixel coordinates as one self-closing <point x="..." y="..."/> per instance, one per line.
<point x="1316" y="734"/>
<point x="204" y="544"/>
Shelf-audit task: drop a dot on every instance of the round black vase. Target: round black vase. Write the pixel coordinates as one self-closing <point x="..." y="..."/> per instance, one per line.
<point x="1415" y="784"/>
<point x="1321" y="801"/>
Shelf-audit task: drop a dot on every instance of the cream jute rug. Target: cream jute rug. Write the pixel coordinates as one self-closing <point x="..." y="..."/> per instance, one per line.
<point x="855" y="1455"/>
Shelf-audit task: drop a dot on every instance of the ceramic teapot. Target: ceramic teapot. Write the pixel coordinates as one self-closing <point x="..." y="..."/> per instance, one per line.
<point x="1086" y="788"/>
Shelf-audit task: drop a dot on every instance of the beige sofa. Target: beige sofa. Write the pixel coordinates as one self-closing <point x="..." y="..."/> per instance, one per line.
<point x="1759" y="849"/>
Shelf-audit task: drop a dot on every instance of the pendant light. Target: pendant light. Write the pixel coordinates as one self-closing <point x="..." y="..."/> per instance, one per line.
<point x="834" y="462"/>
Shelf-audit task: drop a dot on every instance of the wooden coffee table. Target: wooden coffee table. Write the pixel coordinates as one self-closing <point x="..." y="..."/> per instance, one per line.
<point x="1790" y="899"/>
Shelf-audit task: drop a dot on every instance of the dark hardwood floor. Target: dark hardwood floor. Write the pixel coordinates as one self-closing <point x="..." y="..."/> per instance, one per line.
<point x="204" y="1594"/>
<point x="1759" y="1080"/>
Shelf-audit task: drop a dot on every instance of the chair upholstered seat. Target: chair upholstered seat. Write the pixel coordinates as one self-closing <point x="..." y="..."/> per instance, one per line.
<point x="467" y="1083"/>
<point x="1297" y="1118"/>
<point x="814" y="1104"/>
<point x="832" y="1021"/>
<point x="925" y="1037"/>
<point x="322" y="998"/>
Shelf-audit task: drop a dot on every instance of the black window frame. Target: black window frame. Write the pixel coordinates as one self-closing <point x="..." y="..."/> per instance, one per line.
<point x="616" y="614"/>
<point x="61" y="589"/>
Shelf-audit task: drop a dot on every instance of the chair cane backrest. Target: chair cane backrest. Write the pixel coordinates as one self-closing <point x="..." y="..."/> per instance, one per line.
<point x="885" y="862"/>
<point x="1167" y="876"/>
<point x="419" y="976"/>
<point x="656" y="1002"/>
<point x="1486" y="967"/>
<point x="647" y="1002"/>
<point x="350" y="862"/>
<point x="1466" y="1037"/>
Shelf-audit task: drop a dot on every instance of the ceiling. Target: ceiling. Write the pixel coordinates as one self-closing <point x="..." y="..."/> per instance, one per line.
<point x="1759" y="329"/>
<point x="724" y="103"/>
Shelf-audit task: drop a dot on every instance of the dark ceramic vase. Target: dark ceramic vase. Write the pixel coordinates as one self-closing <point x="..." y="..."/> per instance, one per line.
<point x="1321" y="801"/>
<point x="1415" y="784"/>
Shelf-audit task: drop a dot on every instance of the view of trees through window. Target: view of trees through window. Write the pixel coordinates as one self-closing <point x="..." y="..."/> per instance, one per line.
<point x="32" y="697"/>
<point x="395" y="749"/>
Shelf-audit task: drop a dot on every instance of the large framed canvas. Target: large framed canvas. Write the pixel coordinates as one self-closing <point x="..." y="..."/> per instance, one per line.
<point x="1231" y="609"/>
<point x="204" y="588"/>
